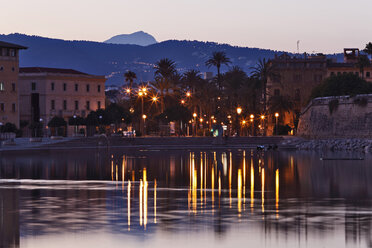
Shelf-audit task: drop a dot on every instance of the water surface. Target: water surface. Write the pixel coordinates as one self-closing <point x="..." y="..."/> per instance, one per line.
<point x="209" y="198"/>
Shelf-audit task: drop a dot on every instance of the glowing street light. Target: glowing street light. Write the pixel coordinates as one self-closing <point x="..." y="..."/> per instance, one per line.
<point x="201" y="120"/>
<point x="239" y="110"/>
<point x="140" y="93"/>
<point x="128" y="91"/>
<point x="251" y="116"/>
<point x="188" y="94"/>
<point x="276" y="122"/>
<point x="144" y="117"/>
<point x="194" y="115"/>
<point x="154" y="99"/>
<point x="182" y="101"/>
<point x="262" y="117"/>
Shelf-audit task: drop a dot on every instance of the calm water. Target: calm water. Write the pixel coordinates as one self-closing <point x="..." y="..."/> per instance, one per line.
<point x="185" y="199"/>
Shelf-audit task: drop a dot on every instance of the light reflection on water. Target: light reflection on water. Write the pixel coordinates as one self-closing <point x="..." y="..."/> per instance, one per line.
<point x="199" y="198"/>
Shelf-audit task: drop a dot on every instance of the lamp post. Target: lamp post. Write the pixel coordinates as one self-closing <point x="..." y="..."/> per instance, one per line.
<point x="144" y="124"/>
<point x="195" y="115"/>
<point x="276" y="123"/>
<point x="252" y="123"/>
<point x="263" y="124"/>
<point x="238" y="111"/>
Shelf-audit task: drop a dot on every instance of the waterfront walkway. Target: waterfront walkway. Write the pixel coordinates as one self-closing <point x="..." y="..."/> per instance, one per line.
<point x="163" y="143"/>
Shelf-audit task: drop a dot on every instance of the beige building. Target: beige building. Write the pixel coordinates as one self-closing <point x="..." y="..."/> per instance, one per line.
<point x="49" y="92"/>
<point x="9" y="66"/>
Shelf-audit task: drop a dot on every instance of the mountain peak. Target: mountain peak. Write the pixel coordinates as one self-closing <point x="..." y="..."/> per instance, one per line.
<point x="137" y="38"/>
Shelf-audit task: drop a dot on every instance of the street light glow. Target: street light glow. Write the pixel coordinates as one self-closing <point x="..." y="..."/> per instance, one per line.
<point x="262" y="117"/>
<point x="239" y="110"/>
<point x="201" y="120"/>
<point x="182" y="101"/>
<point x="140" y="93"/>
<point x="251" y="116"/>
<point x="188" y="94"/>
<point x="276" y="115"/>
<point x="144" y="117"/>
<point x="128" y="90"/>
<point x="154" y="98"/>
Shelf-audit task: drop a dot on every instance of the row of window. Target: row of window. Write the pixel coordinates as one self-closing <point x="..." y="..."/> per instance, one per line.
<point x="76" y="105"/>
<point x="64" y="87"/>
<point x="3" y="69"/>
<point x="9" y="52"/>
<point x="368" y="74"/>
<point x="2" y="86"/>
<point x="297" y="95"/>
<point x="2" y="107"/>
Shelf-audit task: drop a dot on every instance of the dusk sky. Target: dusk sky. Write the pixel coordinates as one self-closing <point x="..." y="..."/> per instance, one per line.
<point x="320" y="25"/>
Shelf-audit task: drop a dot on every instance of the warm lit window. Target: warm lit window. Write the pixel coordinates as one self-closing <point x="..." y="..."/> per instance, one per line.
<point x="2" y="86"/>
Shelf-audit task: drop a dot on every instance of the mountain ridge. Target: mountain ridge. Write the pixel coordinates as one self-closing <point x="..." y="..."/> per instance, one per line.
<point x="112" y="60"/>
<point x="137" y="38"/>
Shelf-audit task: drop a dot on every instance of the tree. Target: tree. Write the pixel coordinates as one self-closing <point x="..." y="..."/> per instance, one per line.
<point x="363" y="62"/>
<point x="165" y="68"/>
<point x="117" y="114"/>
<point x="342" y="85"/>
<point x="57" y="124"/>
<point x="218" y="59"/>
<point x="263" y="71"/>
<point x="191" y="80"/>
<point x="368" y="49"/>
<point x="130" y="76"/>
<point x="280" y="104"/>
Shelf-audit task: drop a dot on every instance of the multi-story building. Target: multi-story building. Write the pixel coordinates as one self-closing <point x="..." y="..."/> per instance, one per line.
<point x="9" y="66"/>
<point x="350" y="65"/>
<point x="49" y="92"/>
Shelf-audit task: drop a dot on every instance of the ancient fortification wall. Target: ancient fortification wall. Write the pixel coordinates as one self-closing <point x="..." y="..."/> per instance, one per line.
<point x="337" y="117"/>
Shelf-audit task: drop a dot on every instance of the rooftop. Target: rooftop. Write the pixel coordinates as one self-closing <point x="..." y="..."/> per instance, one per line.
<point x="49" y="70"/>
<point x="11" y="45"/>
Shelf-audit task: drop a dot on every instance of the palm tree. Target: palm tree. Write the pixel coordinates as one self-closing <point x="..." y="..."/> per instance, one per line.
<point x="129" y="77"/>
<point x="191" y="79"/>
<point x="218" y="59"/>
<point x="280" y="104"/>
<point x="165" y="68"/>
<point x="263" y="71"/>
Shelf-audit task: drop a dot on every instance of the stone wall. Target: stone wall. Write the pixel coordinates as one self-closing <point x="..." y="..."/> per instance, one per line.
<point x="351" y="118"/>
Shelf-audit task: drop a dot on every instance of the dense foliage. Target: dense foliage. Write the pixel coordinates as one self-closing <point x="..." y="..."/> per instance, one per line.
<point x="342" y="85"/>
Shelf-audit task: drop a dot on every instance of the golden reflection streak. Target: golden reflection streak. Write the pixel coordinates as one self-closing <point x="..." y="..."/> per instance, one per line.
<point x="212" y="186"/>
<point x="145" y="187"/>
<point x="155" y="201"/>
<point x="116" y="173"/>
<point x="133" y="176"/>
<point x="112" y="170"/>
<point x="123" y="172"/>
<point x="219" y="189"/>
<point x="205" y="179"/>
<point x="195" y="191"/>
<point x="141" y="203"/>
<point x="244" y="176"/>
<point x="129" y="187"/>
<point x="239" y="191"/>
<point x="277" y="192"/>
<point x="252" y="186"/>
<point x="201" y="180"/>
<point x="263" y="189"/>
<point x="230" y="178"/>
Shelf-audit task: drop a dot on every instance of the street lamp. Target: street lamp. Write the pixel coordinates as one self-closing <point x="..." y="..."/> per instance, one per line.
<point x="239" y="110"/>
<point x="195" y="115"/>
<point x="276" y="122"/>
<point x="188" y="94"/>
<point x="182" y="101"/>
<point x="262" y="126"/>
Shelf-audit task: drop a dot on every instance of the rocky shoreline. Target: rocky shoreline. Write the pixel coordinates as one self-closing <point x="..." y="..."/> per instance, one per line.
<point x="358" y="145"/>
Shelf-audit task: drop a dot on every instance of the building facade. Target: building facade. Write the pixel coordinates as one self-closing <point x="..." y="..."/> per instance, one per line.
<point x="9" y="67"/>
<point x="49" y="92"/>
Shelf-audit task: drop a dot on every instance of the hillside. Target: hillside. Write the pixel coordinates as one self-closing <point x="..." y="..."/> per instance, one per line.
<point x="138" y="38"/>
<point x="113" y="60"/>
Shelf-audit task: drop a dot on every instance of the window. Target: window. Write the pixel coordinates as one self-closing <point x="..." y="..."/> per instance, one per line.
<point x="13" y="107"/>
<point x="12" y="52"/>
<point x="338" y="73"/>
<point x="64" y="87"/>
<point x="368" y="74"/>
<point x="52" y="86"/>
<point x="13" y="87"/>
<point x="332" y="73"/>
<point x="52" y="104"/>
<point x="99" y="88"/>
<point x="88" y="105"/>
<point x="297" y="95"/>
<point x="76" y="87"/>
<point x="1" y="68"/>
<point x="276" y="92"/>
<point x="88" y="87"/>
<point x="357" y="74"/>
<point x="2" y="107"/>
<point x="13" y="69"/>
<point x="33" y="86"/>
<point x="297" y="77"/>
<point x="76" y="105"/>
<point x="99" y="105"/>
<point x="64" y="105"/>
<point x="2" y="87"/>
